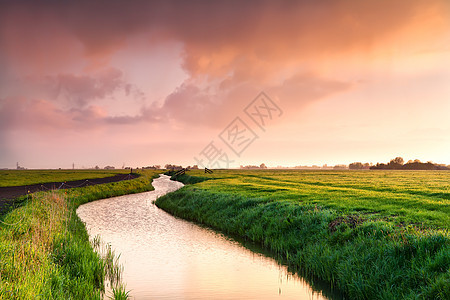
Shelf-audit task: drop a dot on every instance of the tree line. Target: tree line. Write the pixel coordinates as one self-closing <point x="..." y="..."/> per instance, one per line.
<point x="398" y="164"/>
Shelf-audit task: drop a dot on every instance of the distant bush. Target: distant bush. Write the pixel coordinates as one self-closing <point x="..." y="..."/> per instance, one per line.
<point x="358" y="166"/>
<point x="397" y="164"/>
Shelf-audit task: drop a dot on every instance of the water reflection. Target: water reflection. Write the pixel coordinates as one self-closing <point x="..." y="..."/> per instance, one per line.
<point x="168" y="258"/>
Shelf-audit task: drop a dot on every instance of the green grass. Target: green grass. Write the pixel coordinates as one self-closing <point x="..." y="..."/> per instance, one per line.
<point x="370" y="234"/>
<point x="28" y="177"/>
<point x="45" y="251"/>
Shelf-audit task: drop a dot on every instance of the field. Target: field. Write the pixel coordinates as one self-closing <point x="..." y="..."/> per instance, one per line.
<point x="27" y="177"/>
<point x="45" y="252"/>
<point x="370" y="234"/>
<point x="422" y="198"/>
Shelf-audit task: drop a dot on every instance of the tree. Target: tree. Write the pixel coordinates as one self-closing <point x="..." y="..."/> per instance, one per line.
<point x="395" y="163"/>
<point x="398" y="160"/>
<point x="172" y="167"/>
<point x="355" y="166"/>
<point x="263" y="166"/>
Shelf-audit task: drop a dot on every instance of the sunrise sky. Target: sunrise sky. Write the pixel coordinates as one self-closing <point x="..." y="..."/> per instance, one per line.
<point x="138" y="83"/>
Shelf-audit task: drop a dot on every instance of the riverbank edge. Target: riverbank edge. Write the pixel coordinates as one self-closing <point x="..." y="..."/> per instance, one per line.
<point x="45" y="249"/>
<point x="360" y="257"/>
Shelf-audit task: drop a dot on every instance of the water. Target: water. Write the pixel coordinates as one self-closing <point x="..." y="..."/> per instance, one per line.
<point x="168" y="258"/>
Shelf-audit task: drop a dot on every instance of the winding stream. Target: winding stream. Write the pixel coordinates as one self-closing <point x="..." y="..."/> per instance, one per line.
<point x="168" y="258"/>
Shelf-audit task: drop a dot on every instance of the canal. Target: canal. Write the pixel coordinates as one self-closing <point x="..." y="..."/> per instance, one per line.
<point x="169" y="258"/>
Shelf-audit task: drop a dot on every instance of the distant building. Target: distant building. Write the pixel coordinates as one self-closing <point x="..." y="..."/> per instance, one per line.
<point x="109" y="168"/>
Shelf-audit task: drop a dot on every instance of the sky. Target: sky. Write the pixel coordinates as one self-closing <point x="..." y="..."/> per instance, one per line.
<point x="223" y="83"/>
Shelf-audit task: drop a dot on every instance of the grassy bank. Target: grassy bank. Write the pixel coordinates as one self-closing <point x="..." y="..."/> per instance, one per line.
<point x="45" y="251"/>
<point x="371" y="235"/>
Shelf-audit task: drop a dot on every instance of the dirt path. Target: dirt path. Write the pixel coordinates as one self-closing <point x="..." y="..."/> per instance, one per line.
<point x="9" y="193"/>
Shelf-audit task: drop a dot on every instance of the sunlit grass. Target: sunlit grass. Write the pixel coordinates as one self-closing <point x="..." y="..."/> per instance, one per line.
<point x="407" y="196"/>
<point x="370" y="234"/>
<point x="45" y="251"/>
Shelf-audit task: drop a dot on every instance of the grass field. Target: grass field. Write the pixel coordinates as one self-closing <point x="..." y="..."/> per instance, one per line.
<point x="45" y="251"/>
<point x="28" y="177"/>
<point x="420" y="197"/>
<point x="370" y="234"/>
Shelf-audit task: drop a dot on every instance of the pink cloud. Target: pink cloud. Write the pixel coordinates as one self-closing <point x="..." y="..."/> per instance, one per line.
<point x="80" y="90"/>
<point x="217" y="36"/>
<point x="56" y="72"/>
<point x="225" y="50"/>
<point x="42" y="115"/>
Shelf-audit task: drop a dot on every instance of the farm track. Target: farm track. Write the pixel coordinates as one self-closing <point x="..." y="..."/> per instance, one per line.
<point x="10" y="193"/>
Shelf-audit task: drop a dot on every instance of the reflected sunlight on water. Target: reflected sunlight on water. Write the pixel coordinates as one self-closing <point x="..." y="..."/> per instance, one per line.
<point x="168" y="258"/>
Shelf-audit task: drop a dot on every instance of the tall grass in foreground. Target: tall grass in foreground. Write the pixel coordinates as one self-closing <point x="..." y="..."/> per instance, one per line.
<point x="113" y="269"/>
<point x="45" y="251"/>
<point x="364" y="255"/>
